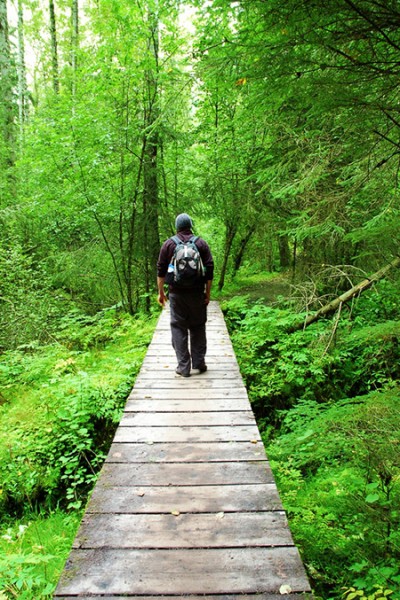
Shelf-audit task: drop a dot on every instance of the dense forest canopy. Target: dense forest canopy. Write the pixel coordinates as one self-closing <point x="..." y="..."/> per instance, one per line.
<point x="276" y="126"/>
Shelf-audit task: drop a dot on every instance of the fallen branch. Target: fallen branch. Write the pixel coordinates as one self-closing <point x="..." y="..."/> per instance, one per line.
<point x="343" y="298"/>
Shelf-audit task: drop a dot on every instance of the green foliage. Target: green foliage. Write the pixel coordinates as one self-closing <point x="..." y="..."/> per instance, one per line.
<point x="278" y="181"/>
<point x="379" y="593"/>
<point x="33" y="553"/>
<point x="380" y="304"/>
<point x="278" y="368"/>
<point x="61" y="404"/>
<point x="28" y="307"/>
<point x="339" y="474"/>
<point x="327" y="407"/>
<point x="281" y="369"/>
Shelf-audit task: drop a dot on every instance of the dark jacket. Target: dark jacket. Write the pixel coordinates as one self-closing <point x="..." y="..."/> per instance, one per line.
<point x="167" y="251"/>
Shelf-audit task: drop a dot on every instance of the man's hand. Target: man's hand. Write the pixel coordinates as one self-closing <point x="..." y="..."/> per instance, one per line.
<point x="162" y="298"/>
<point x="208" y="292"/>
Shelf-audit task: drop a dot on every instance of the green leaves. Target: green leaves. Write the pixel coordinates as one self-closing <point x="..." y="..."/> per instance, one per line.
<point x="331" y="440"/>
<point x="62" y="406"/>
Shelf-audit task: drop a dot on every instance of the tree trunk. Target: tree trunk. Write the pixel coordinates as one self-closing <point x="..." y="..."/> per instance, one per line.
<point x="7" y="107"/>
<point x="74" y="43"/>
<point x="54" y="47"/>
<point x="241" y="250"/>
<point x="22" y="87"/>
<point x="294" y="261"/>
<point x="150" y="209"/>
<point x="229" y="237"/>
<point x="284" y="252"/>
<point x="150" y="166"/>
<point x="343" y="298"/>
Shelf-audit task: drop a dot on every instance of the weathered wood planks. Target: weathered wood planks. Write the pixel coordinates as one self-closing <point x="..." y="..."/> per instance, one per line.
<point x="186" y="504"/>
<point x="189" y="571"/>
<point x="184" y="530"/>
<point x="196" y="452"/>
<point x="185" y="499"/>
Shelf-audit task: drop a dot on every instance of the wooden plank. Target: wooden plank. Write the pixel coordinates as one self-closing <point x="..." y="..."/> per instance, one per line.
<point x="213" y="342"/>
<point x="186" y="473"/>
<point x="186" y="405"/>
<point x="214" y="334"/>
<point x="151" y="373"/>
<point x="215" y="330"/>
<point x="218" y="530"/>
<point x="195" y="499"/>
<point x="182" y="394"/>
<point x="207" y="452"/>
<point x="213" y="362"/>
<point x="197" y="571"/>
<point x="234" y="433"/>
<point x="216" y="339"/>
<point x="217" y="334"/>
<point x="211" y="352"/>
<point x="192" y="597"/>
<point x="159" y="370"/>
<point x="189" y="384"/>
<point x="186" y="419"/>
<point x="214" y="323"/>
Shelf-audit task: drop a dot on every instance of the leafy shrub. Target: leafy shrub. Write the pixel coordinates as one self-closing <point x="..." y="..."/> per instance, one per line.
<point x="278" y="368"/>
<point x="86" y="273"/>
<point x="32" y="554"/>
<point x="282" y="368"/>
<point x="326" y="401"/>
<point x="379" y="305"/>
<point x="338" y="469"/>
<point x="27" y="305"/>
<point x="379" y="593"/>
<point x="62" y="407"/>
<point x="61" y="404"/>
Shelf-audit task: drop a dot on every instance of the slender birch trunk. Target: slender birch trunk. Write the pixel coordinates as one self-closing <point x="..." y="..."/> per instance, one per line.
<point x="7" y="105"/>
<point x="54" y="47"/>
<point x="74" y="44"/>
<point x="22" y="86"/>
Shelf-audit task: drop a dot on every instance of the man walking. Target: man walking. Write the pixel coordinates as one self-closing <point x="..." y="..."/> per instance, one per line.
<point x="188" y="300"/>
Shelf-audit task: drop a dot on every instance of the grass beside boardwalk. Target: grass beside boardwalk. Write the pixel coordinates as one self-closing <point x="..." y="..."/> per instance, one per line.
<point x="326" y="400"/>
<point x="33" y="551"/>
<point x="59" y="407"/>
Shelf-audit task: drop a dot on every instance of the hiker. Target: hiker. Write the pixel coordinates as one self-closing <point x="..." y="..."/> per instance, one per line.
<point x="185" y="263"/>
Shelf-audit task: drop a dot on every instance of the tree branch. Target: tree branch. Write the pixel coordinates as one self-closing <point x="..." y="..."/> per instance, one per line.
<point x="343" y="298"/>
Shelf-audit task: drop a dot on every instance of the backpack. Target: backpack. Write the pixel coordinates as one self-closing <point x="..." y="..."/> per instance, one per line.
<point x="186" y="268"/>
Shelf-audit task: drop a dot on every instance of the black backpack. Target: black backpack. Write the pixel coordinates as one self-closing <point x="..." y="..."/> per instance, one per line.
<point x="186" y="268"/>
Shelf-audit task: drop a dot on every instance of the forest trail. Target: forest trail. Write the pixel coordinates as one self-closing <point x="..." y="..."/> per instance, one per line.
<point x="185" y="504"/>
<point x="269" y="291"/>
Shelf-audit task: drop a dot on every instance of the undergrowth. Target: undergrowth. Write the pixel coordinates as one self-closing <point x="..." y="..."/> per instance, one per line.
<point x="60" y="405"/>
<point x="326" y="399"/>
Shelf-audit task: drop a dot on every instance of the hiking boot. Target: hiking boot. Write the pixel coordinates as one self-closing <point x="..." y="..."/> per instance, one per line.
<point x="179" y="372"/>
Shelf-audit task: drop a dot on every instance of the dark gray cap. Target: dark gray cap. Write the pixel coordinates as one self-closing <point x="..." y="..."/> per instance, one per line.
<point x="183" y="221"/>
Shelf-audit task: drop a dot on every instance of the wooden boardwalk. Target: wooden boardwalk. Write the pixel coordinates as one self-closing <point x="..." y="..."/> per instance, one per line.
<point x="185" y="504"/>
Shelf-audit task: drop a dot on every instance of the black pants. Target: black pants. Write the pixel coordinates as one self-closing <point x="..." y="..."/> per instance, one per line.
<point x="188" y="321"/>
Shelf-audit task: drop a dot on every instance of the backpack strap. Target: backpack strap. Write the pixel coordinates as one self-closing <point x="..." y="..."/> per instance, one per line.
<point x="176" y="239"/>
